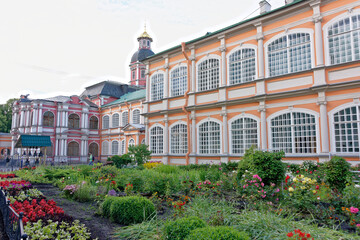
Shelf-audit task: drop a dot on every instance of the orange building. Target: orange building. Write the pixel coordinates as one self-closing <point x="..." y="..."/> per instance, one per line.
<point x="5" y="145"/>
<point x="288" y="79"/>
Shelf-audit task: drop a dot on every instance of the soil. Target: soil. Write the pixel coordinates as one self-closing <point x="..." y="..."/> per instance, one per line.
<point x="3" y="235"/>
<point x="101" y="228"/>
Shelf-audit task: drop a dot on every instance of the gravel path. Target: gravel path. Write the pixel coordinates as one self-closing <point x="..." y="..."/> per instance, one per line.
<point x="99" y="227"/>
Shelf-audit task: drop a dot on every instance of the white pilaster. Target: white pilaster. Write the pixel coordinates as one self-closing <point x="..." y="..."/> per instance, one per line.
<point x="57" y="147"/>
<point x="260" y="39"/>
<point x="225" y="131"/>
<point x="323" y="123"/>
<point x="263" y="135"/>
<point x="147" y="73"/>
<point x="193" y="131"/>
<point x="193" y="73"/>
<point x="40" y="115"/>
<point x="166" y="79"/>
<point x="166" y="135"/>
<point x="222" y="49"/>
<point x="317" y="18"/>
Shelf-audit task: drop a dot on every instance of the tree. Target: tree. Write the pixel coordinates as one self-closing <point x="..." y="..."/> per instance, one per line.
<point x="6" y="115"/>
<point x="139" y="153"/>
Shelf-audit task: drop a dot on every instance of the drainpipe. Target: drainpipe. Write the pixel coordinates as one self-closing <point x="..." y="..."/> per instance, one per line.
<point x="186" y="103"/>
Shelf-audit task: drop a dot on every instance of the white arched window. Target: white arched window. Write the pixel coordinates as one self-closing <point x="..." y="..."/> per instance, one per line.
<point x="178" y="139"/>
<point x="124" y="118"/>
<point x="115" y="120"/>
<point x="157" y="140"/>
<point x="289" y="53"/>
<point x="105" y="148"/>
<point x="157" y="86"/>
<point x="122" y="146"/>
<point x="343" y="39"/>
<point x="294" y="132"/>
<point x="345" y="129"/>
<point x="136" y="116"/>
<point x="242" y="65"/>
<point x="114" y="148"/>
<point x="244" y="133"/>
<point x="209" y="137"/>
<point x="105" y="122"/>
<point x="131" y="142"/>
<point x="208" y="74"/>
<point x="178" y="78"/>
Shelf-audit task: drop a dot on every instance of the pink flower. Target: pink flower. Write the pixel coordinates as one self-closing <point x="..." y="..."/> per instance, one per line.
<point x="358" y="225"/>
<point x="277" y="190"/>
<point x="354" y="210"/>
<point x="262" y="184"/>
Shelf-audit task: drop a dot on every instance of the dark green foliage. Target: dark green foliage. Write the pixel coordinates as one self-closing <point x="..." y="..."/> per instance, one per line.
<point x="212" y="174"/>
<point x="106" y="205"/>
<point x="294" y="168"/>
<point x="140" y="153"/>
<point x="267" y="165"/>
<point x="337" y="172"/>
<point x="6" y="115"/>
<point x="180" y="228"/>
<point x="109" y="170"/>
<point x="217" y="233"/>
<point x="85" y="170"/>
<point x="137" y="180"/>
<point x="120" y="161"/>
<point x="129" y="210"/>
<point x="57" y="173"/>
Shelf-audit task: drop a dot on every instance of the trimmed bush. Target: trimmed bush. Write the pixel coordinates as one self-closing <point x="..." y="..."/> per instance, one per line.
<point x="120" y="161"/>
<point x="217" y="233"/>
<point x="180" y="228"/>
<point x="337" y="172"/>
<point x="106" y="205"/>
<point x="129" y="210"/>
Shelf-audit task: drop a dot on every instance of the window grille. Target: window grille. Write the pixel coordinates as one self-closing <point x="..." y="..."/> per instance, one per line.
<point x="157" y="86"/>
<point x="242" y="66"/>
<point x="106" y="121"/>
<point x="209" y="138"/>
<point x="115" y="120"/>
<point x="73" y="149"/>
<point x="178" y="81"/>
<point x="74" y="121"/>
<point x="125" y="118"/>
<point x="208" y="74"/>
<point x="136" y="116"/>
<point x="48" y="119"/>
<point x="244" y="134"/>
<point x="114" y="148"/>
<point x="94" y="122"/>
<point x="179" y="139"/>
<point x="156" y="140"/>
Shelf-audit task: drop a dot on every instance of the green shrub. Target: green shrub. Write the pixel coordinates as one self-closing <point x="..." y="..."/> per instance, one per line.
<point x="267" y="165"/>
<point x="106" y="205"/>
<point x="310" y="166"/>
<point x="337" y="171"/>
<point x="217" y="233"/>
<point x="120" y="161"/>
<point x="180" y="228"/>
<point x="294" y="168"/>
<point x="133" y="209"/>
<point x="85" y="193"/>
<point x="140" y="153"/>
<point x="109" y="170"/>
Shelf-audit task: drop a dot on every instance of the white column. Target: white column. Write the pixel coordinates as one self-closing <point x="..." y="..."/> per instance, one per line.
<point x="166" y="136"/>
<point x="318" y="32"/>
<point x="225" y="131"/>
<point x="40" y="116"/>
<point x="65" y="147"/>
<point x="66" y="119"/>
<point x="137" y="139"/>
<point x="146" y="122"/>
<point x="27" y="117"/>
<point x="147" y="73"/>
<point x="263" y="133"/>
<point x="260" y="39"/>
<point x="324" y="132"/>
<point x="14" y="120"/>
<point x="166" y="79"/>
<point x="193" y="131"/>
<point x="12" y="147"/>
<point x="21" y="118"/>
<point x="57" y="147"/>
<point x="193" y="71"/>
<point x="58" y="115"/>
<point x="223" y="60"/>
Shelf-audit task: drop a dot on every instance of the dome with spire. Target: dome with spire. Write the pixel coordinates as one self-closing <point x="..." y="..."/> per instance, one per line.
<point x="144" y="47"/>
<point x="144" y="35"/>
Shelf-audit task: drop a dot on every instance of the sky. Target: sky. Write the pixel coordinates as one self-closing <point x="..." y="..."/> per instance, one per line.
<point x="59" y="47"/>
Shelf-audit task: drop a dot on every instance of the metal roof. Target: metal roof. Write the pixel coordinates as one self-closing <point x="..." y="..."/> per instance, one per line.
<point x="128" y="97"/>
<point x="33" y="141"/>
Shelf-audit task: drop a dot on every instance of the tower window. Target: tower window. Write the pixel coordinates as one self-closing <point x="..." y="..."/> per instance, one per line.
<point x="142" y="73"/>
<point x="133" y="74"/>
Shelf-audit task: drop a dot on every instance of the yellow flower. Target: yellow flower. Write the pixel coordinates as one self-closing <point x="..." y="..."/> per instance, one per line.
<point x="295" y="179"/>
<point x="302" y="176"/>
<point x="302" y="187"/>
<point x="314" y="191"/>
<point x="291" y="189"/>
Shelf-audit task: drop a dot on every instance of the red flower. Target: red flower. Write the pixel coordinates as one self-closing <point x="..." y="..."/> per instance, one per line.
<point x="290" y="234"/>
<point x="287" y="178"/>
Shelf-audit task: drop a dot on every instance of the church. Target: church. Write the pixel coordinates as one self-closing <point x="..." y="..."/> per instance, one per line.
<point x="285" y="80"/>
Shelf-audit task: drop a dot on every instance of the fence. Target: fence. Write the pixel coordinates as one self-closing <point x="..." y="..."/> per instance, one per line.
<point x="13" y="223"/>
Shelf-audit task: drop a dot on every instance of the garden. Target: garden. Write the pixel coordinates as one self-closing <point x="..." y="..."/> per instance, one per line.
<point x="259" y="197"/>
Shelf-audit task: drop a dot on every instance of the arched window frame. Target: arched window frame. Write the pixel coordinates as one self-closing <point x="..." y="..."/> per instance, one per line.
<point x="184" y="84"/>
<point x="53" y="119"/>
<point x="78" y="149"/>
<point x="170" y="137"/>
<point x="231" y="132"/>
<point x="332" y="127"/>
<point x="131" y="142"/>
<point x="78" y="125"/>
<point x="157" y="92"/>
<point x="115" y="147"/>
<point x="198" y="135"/>
<point x="106" y="122"/>
<point x="161" y="151"/>
<point x="338" y="18"/>
<point x="295" y="110"/>
<point x="94" y="143"/>
<point x="208" y="57"/>
<point x="133" y="115"/>
<point x="105" y="148"/>
<point x="115" y="120"/>
<point x="286" y="33"/>
<point x="124" y="118"/>
<point x="123" y="147"/>
<point x="244" y="46"/>
<point x="97" y="122"/>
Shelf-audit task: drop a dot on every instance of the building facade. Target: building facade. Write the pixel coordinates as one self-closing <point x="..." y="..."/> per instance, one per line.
<point x="288" y="79"/>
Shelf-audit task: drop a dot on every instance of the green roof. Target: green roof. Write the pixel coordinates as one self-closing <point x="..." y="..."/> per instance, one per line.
<point x="226" y="28"/>
<point x="33" y="141"/>
<point x="128" y="97"/>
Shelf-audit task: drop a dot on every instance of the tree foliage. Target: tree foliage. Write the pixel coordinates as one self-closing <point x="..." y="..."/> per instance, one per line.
<point x="6" y="115"/>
